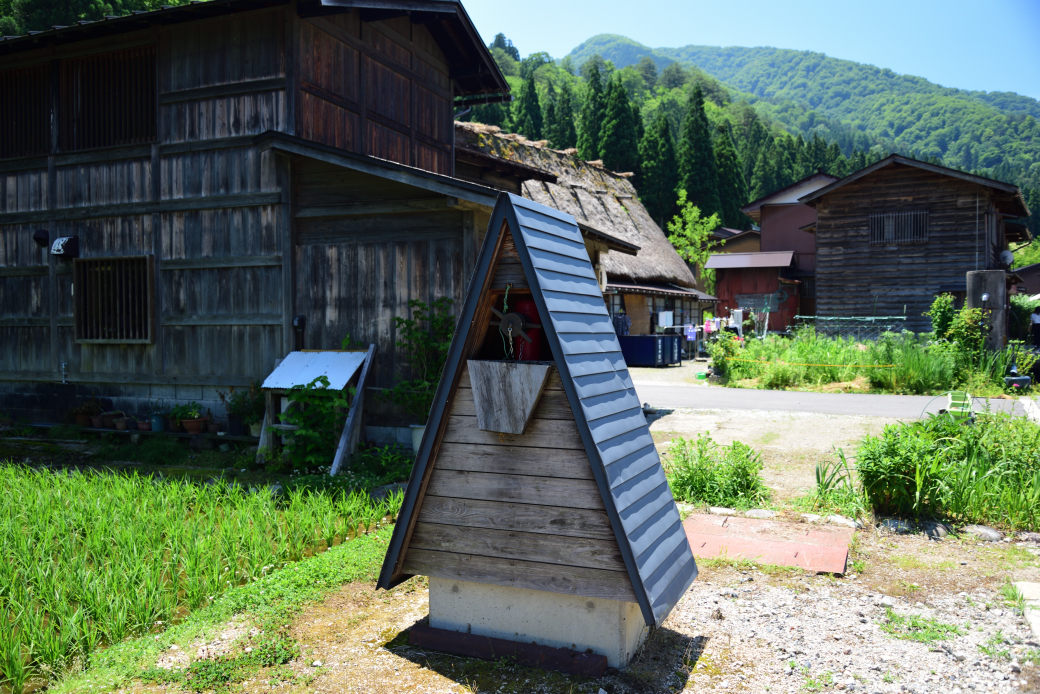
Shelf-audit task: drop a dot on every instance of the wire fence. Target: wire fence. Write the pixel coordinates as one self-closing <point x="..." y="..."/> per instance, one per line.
<point x="860" y="328"/>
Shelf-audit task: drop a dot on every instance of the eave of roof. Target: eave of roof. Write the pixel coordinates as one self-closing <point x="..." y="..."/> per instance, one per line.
<point x="613" y="243"/>
<point x="474" y="70"/>
<point x="658" y="290"/>
<point x="506" y="166"/>
<point x="752" y="208"/>
<point x="409" y="175"/>
<point x="766" y="259"/>
<point x="1020" y="211"/>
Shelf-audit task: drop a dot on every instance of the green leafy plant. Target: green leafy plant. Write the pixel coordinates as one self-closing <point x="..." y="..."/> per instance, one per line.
<point x="836" y="491"/>
<point x="691" y="235"/>
<point x="942" y="312"/>
<point x="318" y="413"/>
<point x="91" y="408"/>
<point x="247" y="403"/>
<point x="191" y="410"/>
<point x="703" y="471"/>
<point x="917" y="628"/>
<point x="425" y="338"/>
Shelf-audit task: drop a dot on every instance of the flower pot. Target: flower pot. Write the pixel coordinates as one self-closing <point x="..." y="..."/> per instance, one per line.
<point x="255" y="429"/>
<point x="212" y="427"/>
<point x="175" y="426"/>
<point x="120" y="423"/>
<point x="417" y="433"/>
<point x="108" y="419"/>
<point x="82" y="420"/>
<point x="194" y="426"/>
<point x="96" y="421"/>
<point x="144" y="425"/>
<point x="158" y="422"/>
<point x="235" y="426"/>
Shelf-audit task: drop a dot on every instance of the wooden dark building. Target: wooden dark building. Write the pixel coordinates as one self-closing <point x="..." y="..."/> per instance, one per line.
<point x="225" y="167"/>
<point x="892" y="236"/>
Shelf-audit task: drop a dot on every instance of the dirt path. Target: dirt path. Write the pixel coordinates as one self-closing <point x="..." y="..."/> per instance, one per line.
<point x="791" y="443"/>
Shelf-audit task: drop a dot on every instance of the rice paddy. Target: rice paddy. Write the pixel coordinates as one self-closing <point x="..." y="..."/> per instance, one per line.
<point x="92" y="558"/>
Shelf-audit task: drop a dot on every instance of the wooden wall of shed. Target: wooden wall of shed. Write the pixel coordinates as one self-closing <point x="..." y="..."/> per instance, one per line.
<point x="202" y="200"/>
<point x="765" y="280"/>
<point x="355" y="272"/>
<point x="376" y="87"/>
<point x="517" y="510"/>
<point x="854" y="278"/>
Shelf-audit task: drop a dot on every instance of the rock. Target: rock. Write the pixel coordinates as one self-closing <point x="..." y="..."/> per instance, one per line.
<point x="895" y="525"/>
<point x="936" y="530"/>
<point x="760" y="513"/>
<point x="316" y="663"/>
<point x="249" y="649"/>
<point x="135" y="438"/>
<point x="720" y="511"/>
<point x="200" y="443"/>
<point x="1029" y="537"/>
<point x="811" y="517"/>
<point x="685" y="509"/>
<point x="843" y="521"/>
<point x="602" y="691"/>
<point x="386" y="490"/>
<point x="984" y="533"/>
<point x="1015" y="667"/>
<point x="225" y="447"/>
<point x="958" y="656"/>
<point x="275" y="489"/>
<point x="887" y="601"/>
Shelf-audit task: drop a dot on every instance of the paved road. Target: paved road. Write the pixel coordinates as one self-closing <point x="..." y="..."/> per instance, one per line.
<point x="705" y="397"/>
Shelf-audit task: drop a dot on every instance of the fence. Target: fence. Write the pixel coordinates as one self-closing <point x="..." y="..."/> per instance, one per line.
<point x="857" y="327"/>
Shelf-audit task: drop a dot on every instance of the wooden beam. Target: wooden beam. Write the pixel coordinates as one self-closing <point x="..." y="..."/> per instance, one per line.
<point x="124" y="379"/>
<point x="222" y="262"/>
<point x="208" y="202"/>
<point x="205" y="145"/>
<point x="348" y="440"/>
<point x="490" y="648"/>
<point x="25" y="271"/>
<point x="520" y="489"/>
<point x="497" y="515"/>
<point x="221" y="90"/>
<point x="391" y="207"/>
<point x="223" y="319"/>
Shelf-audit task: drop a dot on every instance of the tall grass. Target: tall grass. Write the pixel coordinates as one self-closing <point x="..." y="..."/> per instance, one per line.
<point x="897" y="363"/>
<point x="89" y="559"/>
<point x="986" y="472"/>
<point x="703" y="471"/>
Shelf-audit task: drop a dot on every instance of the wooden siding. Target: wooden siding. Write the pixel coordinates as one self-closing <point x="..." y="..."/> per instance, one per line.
<point x="379" y="88"/>
<point x="519" y="510"/>
<point x="764" y="280"/>
<point x="854" y="278"/>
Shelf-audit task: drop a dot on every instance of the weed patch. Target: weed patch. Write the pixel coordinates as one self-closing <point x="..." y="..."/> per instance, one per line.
<point x="703" y="471"/>
<point x="917" y="628"/>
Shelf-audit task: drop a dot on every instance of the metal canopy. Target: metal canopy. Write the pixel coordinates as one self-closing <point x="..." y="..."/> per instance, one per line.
<point x="300" y="368"/>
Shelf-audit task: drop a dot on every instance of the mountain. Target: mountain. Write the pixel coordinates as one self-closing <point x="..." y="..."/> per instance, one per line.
<point x="993" y="132"/>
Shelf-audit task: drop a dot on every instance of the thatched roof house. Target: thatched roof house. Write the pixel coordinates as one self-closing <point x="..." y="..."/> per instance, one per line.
<point x="653" y="280"/>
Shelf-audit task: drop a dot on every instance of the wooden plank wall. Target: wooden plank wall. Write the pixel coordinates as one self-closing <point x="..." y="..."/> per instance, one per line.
<point x="854" y="278"/>
<point x="521" y="511"/>
<point x="357" y="272"/>
<point x="376" y="87"/>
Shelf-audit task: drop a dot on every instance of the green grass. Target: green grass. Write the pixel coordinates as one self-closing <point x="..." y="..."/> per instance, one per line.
<point x="995" y="647"/>
<point x="703" y="471"/>
<point x="91" y="559"/>
<point x="917" y="628"/>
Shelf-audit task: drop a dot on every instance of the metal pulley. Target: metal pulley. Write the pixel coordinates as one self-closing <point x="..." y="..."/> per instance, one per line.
<point x="512" y="324"/>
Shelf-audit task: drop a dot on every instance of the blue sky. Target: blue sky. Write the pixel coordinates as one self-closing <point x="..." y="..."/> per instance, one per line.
<point x="990" y="45"/>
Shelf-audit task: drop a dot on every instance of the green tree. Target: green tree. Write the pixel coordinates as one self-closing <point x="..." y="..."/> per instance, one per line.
<point x="691" y="236"/>
<point x="763" y="176"/>
<point x="560" y="128"/>
<point x="837" y="164"/>
<point x="648" y="69"/>
<point x="673" y="76"/>
<point x="732" y="187"/>
<point x="500" y="41"/>
<point x="696" y="157"/>
<point x="592" y="113"/>
<point x="658" y="171"/>
<point x="527" y="113"/>
<point x="618" y="144"/>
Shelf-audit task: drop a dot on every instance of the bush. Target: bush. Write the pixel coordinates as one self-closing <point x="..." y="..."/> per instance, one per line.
<point x="702" y="471"/>
<point x="318" y="412"/>
<point x="721" y="350"/>
<point x="988" y="472"/>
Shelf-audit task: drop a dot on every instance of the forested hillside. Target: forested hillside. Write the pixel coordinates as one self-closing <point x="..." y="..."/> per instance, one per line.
<point x="21" y="16"/>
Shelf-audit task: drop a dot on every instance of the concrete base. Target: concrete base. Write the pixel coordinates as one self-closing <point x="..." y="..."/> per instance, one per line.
<point x="608" y="627"/>
<point x="1031" y="595"/>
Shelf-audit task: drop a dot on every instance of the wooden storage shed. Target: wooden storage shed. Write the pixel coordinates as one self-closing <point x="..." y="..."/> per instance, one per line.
<point x="566" y="534"/>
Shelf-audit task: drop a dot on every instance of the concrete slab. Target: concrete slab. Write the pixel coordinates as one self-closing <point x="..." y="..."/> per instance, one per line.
<point x="814" y="548"/>
<point x="608" y="627"/>
<point x="1031" y="593"/>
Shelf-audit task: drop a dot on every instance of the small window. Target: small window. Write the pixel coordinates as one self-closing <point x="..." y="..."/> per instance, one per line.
<point x="25" y="111"/>
<point x="895" y="228"/>
<point x="114" y="299"/>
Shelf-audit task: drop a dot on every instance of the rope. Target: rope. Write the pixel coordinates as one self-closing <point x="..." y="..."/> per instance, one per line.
<point x="785" y="363"/>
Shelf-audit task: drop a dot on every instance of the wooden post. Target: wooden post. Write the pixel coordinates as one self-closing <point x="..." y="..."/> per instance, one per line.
<point x="351" y="435"/>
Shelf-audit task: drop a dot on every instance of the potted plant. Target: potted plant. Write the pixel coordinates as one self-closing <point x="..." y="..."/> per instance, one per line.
<point x="97" y="421"/>
<point x="211" y="424"/>
<point x="177" y="413"/>
<point x="83" y="413"/>
<point x="144" y="423"/>
<point x="425" y="338"/>
<point x="192" y="418"/>
<point x="157" y="415"/>
<point x="121" y="423"/>
<point x="244" y="407"/>
<point x="108" y="419"/>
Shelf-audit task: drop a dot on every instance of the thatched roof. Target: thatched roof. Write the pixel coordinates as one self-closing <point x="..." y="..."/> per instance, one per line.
<point x="597" y="197"/>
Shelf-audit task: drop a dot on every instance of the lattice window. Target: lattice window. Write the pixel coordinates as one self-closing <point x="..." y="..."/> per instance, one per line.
<point x="895" y="228"/>
<point x="25" y="104"/>
<point x="108" y="99"/>
<point x="114" y="299"/>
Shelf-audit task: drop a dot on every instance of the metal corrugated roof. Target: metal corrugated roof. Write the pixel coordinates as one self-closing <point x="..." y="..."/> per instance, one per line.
<point x="747" y="260"/>
<point x="682" y="292"/>
<point x="300" y="368"/>
<point x="607" y="410"/>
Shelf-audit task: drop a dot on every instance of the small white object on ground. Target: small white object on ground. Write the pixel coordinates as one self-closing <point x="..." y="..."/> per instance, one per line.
<point x="843" y="521"/>
<point x="722" y="511"/>
<point x="811" y="517"/>
<point x="760" y="513"/>
<point x="984" y="533"/>
<point x="316" y="663"/>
